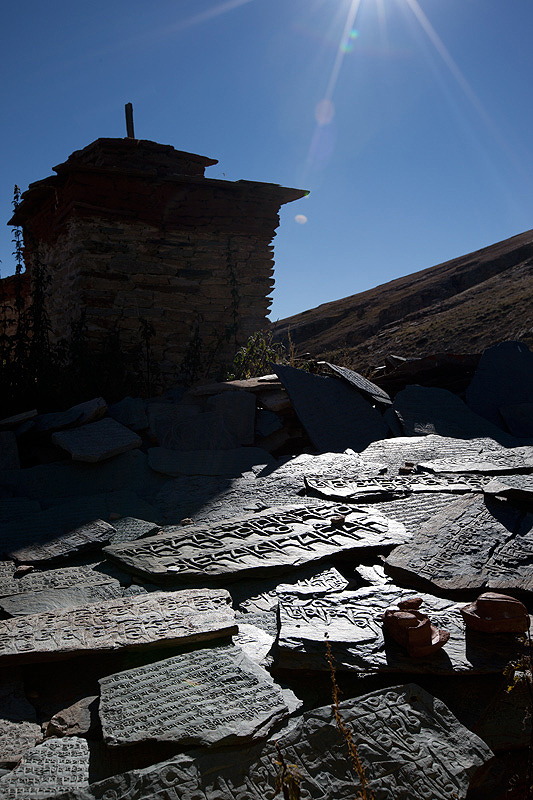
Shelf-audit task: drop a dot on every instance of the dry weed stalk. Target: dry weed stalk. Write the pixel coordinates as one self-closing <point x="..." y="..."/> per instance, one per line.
<point x="288" y="778"/>
<point x="365" y="793"/>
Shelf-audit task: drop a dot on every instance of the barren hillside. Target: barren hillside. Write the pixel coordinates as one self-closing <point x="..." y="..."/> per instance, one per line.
<point x="463" y="305"/>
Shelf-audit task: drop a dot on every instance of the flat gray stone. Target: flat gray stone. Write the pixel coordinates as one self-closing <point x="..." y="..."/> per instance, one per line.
<point x="475" y="544"/>
<point x="227" y="463"/>
<point x="130" y="412"/>
<point x="90" y="411"/>
<point x="334" y="415"/>
<point x="238" y="411"/>
<point x="9" y="423"/>
<point x="156" y="619"/>
<point x="381" y="487"/>
<point x="19" y="730"/>
<point x="9" y="454"/>
<point x="260" y="544"/>
<point x="55" y="765"/>
<point x="397" y="731"/>
<point x="363" y="385"/>
<point x="256" y="643"/>
<point x="263" y="595"/>
<point x="97" y="441"/>
<point x="12" y="508"/>
<point x="415" y="509"/>
<point x="85" y="538"/>
<point x="216" y="696"/>
<point x="423" y="410"/>
<point x="519" y="487"/>
<point x="504" y="376"/>
<point x="509" y="460"/>
<point x="353" y="622"/>
<point x="164" y="416"/>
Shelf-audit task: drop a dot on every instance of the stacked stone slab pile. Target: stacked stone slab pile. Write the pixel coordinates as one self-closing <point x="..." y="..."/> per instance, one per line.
<point x="164" y="598"/>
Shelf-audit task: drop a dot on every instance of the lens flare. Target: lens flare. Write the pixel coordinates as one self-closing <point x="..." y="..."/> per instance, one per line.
<point x="348" y="42"/>
<point x="324" y="111"/>
<point x="301" y="219"/>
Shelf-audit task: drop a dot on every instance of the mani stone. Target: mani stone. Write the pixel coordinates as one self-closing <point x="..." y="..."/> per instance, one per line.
<point x="423" y="410"/>
<point x="156" y="619"/>
<point x="19" y="730"/>
<point x="353" y="623"/>
<point x="507" y="460"/>
<point x="63" y="578"/>
<point x="256" y="643"/>
<point x="363" y="385"/>
<point x="54" y="599"/>
<point x="55" y="765"/>
<point x="91" y="536"/>
<point x="475" y="544"/>
<point x="504" y="377"/>
<point x="410" y="745"/>
<point x="216" y="696"/>
<point x="263" y="595"/>
<point x="334" y="415"/>
<point x="97" y="441"/>
<point x="393" y="453"/>
<point x="260" y="544"/>
<point x="128" y="529"/>
<point x="227" y="463"/>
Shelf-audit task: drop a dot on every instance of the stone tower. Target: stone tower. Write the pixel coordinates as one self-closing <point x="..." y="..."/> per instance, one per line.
<point x="132" y="230"/>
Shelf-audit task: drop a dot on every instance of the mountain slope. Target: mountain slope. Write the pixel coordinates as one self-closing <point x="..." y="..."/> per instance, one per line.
<point x="463" y="305"/>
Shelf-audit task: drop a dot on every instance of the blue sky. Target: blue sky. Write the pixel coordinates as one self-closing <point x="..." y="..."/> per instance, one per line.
<point x="410" y="121"/>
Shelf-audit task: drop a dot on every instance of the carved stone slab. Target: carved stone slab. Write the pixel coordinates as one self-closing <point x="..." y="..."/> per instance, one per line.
<point x="230" y="463"/>
<point x="210" y="696"/>
<point x="55" y="765"/>
<point x="475" y="544"/>
<point x="504" y="376"/>
<point x="263" y="595"/>
<point x="53" y="599"/>
<point x="64" y="578"/>
<point x="363" y="385"/>
<point x="334" y="415"/>
<point x="497" y="462"/>
<point x="147" y="620"/>
<point x="353" y="622"/>
<point x="91" y="536"/>
<point x="256" y="643"/>
<point x="128" y="529"/>
<point x="382" y="486"/>
<point x="97" y="441"/>
<point x="19" y="730"/>
<point x="398" y="731"/>
<point x="424" y="409"/>
<point x="415" y="509"/>
<point x="269" y="543"/>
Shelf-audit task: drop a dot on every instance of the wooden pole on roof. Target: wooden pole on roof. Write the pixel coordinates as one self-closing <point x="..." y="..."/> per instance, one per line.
<point x="129" y="121"/>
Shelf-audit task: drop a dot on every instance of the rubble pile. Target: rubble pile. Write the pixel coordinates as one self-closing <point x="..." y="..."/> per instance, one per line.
<point x="178" y="575"/>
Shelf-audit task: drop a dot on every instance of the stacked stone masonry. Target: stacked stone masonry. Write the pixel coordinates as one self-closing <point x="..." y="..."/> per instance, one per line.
<point x="132" y="230"/>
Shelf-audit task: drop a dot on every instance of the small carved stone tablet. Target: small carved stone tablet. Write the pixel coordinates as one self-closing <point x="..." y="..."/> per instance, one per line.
<point x="210" y="696"/>
<point x="147" y="620"/>
<point x="397" y="731"/>
<point x="55" y="765"/>
<point x="97" y="441"/>
<point x="258" y="543"/>
<point x="19" y="730"/>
